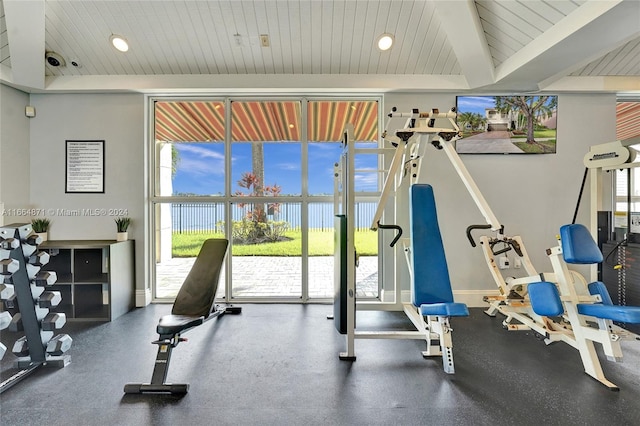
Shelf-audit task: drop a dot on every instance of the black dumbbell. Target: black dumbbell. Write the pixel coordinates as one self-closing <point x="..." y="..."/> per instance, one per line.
<point x="39" y="259"/>
<point x="6" y="291"/>
<point x="59" y="344"/>
<point x="9" y="266"/>
<point x="45" y="278"/>
<point x="9" y="243"/>
<point x="54" y="321"/>
<point x="49" y="299"/>
<point x="21" y="347"/>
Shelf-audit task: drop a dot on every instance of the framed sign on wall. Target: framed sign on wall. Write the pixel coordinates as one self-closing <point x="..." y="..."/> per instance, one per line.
<point x="84" y="166"/>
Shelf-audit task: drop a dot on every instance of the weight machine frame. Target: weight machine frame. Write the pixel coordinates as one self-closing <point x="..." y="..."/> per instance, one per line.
<point x="435" y="330"/>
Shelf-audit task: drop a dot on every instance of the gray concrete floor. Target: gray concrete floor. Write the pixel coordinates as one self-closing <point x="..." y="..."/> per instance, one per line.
<point x="278" y="277"/>
<point x="278" y="365"/>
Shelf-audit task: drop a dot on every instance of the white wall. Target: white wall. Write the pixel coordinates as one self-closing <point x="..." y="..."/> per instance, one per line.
<point x="118" y="119"/>
<point x="14" y="154"/>
<point x="531" y="195"/>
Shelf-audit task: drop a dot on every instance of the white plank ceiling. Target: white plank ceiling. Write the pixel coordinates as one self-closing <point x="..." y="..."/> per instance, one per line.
<point x="463" y="45"/>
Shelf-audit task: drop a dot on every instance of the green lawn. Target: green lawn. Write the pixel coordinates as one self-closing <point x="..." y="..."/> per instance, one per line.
<point x="538" y="147"/>
<point x="546" y="133"/>
<point x="320" y="244"/>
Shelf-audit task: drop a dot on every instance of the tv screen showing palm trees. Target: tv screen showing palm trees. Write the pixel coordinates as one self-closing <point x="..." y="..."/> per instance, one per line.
<point x="507" y="124"/>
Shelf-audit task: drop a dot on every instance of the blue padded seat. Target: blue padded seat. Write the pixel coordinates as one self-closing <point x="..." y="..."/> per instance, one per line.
<point x="430" y="280"/>
<point x="606" y="309"/>
<point x="578" y="246"/>
<point x="598" y="288"/>
<point x="444" y="309"/>
<point x="545" y="299"/>
<point x="628" y="314"/>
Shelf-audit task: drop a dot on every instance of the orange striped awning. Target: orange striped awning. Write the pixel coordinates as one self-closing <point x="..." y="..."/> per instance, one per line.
<point x="627" y="120"/>
<point x="265" y="121"/>
<point x="275" y="121"/>
<point x="327" y="120"/>
<point x="189" y="121"/>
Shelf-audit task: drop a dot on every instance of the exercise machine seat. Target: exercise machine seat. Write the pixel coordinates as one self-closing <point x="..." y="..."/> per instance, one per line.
<point x="606" y="309"/>
<point x="172" y="324"/>
<point x="444" y="309"/>
<point x="545" y="299"/>
<point x="626" y="314"/>
<point x="578" y="247"/>
<point x="430" y="280"/>
<point x="196" y="298"/>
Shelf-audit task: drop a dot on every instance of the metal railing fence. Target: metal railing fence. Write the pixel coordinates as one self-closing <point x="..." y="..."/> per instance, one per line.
<point x="208" y="217"/>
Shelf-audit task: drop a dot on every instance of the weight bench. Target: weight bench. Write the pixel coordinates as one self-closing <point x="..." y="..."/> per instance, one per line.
<point x="194" y="304"/>
<point x="574" y="299"/>
<point x="430" y="283"/>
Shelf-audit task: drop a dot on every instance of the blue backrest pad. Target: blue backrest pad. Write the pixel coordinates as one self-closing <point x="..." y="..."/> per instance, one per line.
<point x="545" y="299"/>
<point x="598" y="287"/>
<point x="578" y="246"/>
<point x="430" y="281"/>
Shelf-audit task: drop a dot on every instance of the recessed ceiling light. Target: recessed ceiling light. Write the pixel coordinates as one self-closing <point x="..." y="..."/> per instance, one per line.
<point x="385" y="41"/>
<point x="119" y="42"/>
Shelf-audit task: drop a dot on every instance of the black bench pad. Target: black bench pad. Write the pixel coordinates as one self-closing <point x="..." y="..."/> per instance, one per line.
<point x="172" y="324"/>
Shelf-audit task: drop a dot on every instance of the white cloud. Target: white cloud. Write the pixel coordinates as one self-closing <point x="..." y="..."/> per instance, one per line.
<point x="199" y="160"/>
<point x="366" y="182"/>
<point x="288" y="166"/>
<point x="199" y="150"/>
<point x="475" y="102"/>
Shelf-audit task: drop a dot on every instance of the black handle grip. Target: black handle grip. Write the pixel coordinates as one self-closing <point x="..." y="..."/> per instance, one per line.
<point x="471" y="228"/>
<point x="509" y="244"/>
<point x="516" y="247"/>
<point x="397" y="228"/>
<point x="504" y="250"/>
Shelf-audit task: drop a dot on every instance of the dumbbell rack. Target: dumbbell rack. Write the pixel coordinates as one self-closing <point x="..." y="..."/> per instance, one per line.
<point x="22" y="285"/>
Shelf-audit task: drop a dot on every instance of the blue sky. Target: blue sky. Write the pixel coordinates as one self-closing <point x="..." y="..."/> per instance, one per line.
<point x="201" y="167"/>
<point x="475" y="104"/>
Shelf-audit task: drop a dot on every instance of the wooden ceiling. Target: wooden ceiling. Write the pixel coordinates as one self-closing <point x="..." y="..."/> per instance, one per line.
<point x="321" y="45"/>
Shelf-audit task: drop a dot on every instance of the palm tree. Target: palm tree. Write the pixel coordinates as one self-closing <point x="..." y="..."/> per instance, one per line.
<point x="478" y="121"/>
<point x="531" y="107"/>
<point x="175" y="160"/>
<point x="257" y="164"/>
<point x="465" y="119"/>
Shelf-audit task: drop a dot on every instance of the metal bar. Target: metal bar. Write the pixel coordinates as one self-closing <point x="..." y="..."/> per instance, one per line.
<point x="389" y="184"/>
<point x="414" y="335"/>
<point x="470" y="184"/>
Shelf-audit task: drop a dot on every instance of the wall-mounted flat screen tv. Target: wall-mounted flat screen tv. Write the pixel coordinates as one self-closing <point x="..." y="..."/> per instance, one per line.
<point x="507" y="124"/>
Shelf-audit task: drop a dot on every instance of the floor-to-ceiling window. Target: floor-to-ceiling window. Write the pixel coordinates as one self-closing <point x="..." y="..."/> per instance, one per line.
<point x="260" y="172"/>
<point x="627" y="181"/>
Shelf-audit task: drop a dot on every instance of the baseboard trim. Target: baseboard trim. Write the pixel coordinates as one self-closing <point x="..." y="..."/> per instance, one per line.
<point x="143" y="298"/>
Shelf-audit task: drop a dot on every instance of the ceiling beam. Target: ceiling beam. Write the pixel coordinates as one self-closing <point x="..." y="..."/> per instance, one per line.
<point x="592" y="30"/>
<point x="462" y="25"/>
<point x="25" y="31"/>
<point x="321" y="83"/>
